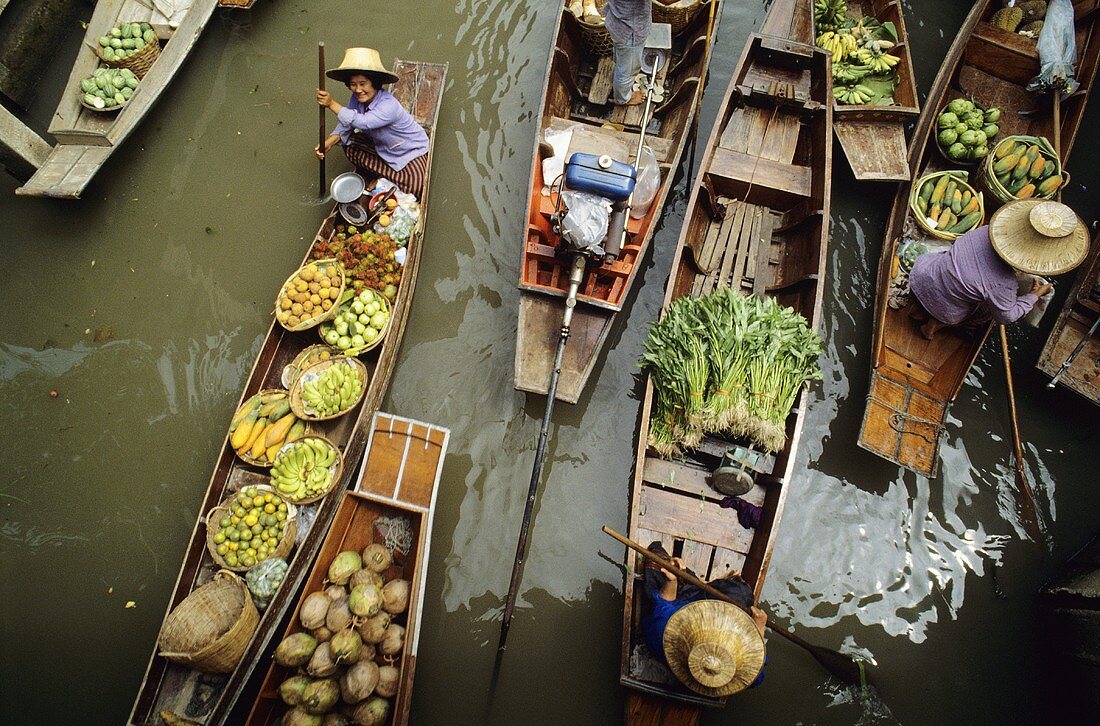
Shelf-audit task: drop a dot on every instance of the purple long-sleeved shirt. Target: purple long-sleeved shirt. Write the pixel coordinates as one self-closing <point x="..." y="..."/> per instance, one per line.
<point x="396" y="135"/>
<point x="967" y="279"/>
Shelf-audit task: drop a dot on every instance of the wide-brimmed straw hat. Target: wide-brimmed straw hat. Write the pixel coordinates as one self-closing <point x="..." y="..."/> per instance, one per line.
<point x="1039" y="236"/>
<point x="365" y="61"/>
<point x="713" y="647"/>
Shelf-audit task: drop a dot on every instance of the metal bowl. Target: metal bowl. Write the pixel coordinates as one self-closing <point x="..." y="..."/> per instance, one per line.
<point x="354" y="213"/>
<point x="347" y="187"/>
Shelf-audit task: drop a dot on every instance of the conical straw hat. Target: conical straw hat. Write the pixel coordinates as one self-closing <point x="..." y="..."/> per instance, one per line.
<point x="362" y="60"/>
<point x="714" y="648"/>
<point x="1039" y="236"/>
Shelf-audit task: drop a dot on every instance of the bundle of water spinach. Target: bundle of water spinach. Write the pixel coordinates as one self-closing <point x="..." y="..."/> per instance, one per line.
<point x="727" y="364"/>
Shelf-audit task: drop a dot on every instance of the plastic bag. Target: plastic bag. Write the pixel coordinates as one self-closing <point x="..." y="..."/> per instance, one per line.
<point x="1057" y="48"/>
<point x="264" y="579"/>
<point x="1025" y="281"/>
<point x="649" y="181"/>
<point x="554" y="166"/>
<point x="585" y="223"/>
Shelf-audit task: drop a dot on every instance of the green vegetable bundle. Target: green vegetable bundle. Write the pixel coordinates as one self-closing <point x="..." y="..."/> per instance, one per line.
<point x="726" y="363"/>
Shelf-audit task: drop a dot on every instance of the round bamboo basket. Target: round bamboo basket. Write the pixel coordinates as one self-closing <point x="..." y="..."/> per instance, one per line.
<point x="381" y="300"/>
<point x="212" y="627"/>
<point x="139" y="62"/>
<point x="334" y="471"/>
<point x="286" y="542"/>
<point x="324" y="314"/>
<point x="304" y="360"/>
<point x="246" y="454"/>
<point x="678" y="15"/>
<point x="987" y="177"/>
<point x="921" y="216"/>
<point x="943" y="151"/>
<point x="298" y="406"/>
<point x="596" y="39"/>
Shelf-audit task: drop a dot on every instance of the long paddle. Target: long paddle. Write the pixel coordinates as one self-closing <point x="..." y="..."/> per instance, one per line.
<point x="1030" y="515"/>
<point x="843" y="667"/>
<point x="576" y="274"/>
<point x="321" y="121"/>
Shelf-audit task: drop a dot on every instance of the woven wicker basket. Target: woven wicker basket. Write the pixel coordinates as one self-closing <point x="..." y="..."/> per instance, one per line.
<point x="298" y="406"/>
<point x="987" y="179"/>
<point x="334" y="472"/>
<point x="381" y="299"/>
<point x="211" y="629"/>
<point x="323" y="315"/>
<point x="678" y="16"/>
<point x="139" y="62"/>
<point x="960" y="179"/>
<point x="246" y="455"/>
<point x="105" y="109"/>
<point x="304" y="360"/>
<point x="596" y="39"/>
<point x="286" y="543"/>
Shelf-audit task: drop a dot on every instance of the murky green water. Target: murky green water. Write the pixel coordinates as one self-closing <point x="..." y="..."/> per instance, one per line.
<point x="173" y="258"/>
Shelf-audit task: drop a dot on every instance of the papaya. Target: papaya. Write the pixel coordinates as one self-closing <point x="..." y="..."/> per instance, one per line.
<point x="967" y="196"/>
<point x="1033" y="152"/>
<point x="1021" y="168"/>
<point x="1005" y="148"/>
<point x="956" y="203"/>
<point x="297" y="431"/>
<point x="922" y="205"/>
<point x="934" y="212"/>
<point x="1050" y="167"/>
<point x="257" y="429"/>
<point x="279" y="430"/>
<point x="966" y="223"/>
<point x="1007" y="164"/>
<point x="971" y="206"/>
<point x="273" y="451"/>
<point x="1049" y="186"/>
<point x="1037" y="168"/>
<point x="259" y="446"/>
<point x="1016" y="185"/>
<point x="1003" y="179"/>
<point x="939" y="189"/>
<point x="244" y="430"/>
<point x="949" y="193"/>
<point x="1026" y="191"/>
<point x="926" y="191"/>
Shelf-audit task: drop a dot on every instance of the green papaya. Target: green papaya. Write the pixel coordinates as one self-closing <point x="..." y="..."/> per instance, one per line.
<point x="1049" y="168"/>
<point x="965" y="223"/>
<point x="1022" y="165"/>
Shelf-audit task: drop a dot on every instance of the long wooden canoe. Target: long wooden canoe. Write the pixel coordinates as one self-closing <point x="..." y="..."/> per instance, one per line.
<point x="913" y="380"/>
<point x="1074" y="321"/>
<point x="767" y="166"/>
<point x="872" y="137"/>
<point x="399" y="479"/>
<point x="85" y="139"/>
<point x="577" y="90"/>
<point x="208" y="698"/>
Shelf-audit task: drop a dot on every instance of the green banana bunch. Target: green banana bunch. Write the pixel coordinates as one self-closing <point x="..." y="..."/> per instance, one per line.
<point x="302" y="470"/>
<point x="335" y="390"/>
<point x="856" y="95"/>
<point x="829" y="13"/>
<point x="849" y="73"/>
<point x="878" y="45"/>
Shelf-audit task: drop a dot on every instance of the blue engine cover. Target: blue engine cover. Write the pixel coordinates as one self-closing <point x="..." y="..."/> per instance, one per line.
<point x="613" y="180"/>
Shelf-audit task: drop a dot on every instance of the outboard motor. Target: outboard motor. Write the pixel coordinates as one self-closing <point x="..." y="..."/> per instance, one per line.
<point x="595" y="194"/>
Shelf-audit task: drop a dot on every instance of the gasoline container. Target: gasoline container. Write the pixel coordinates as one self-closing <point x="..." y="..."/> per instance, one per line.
<point x="600" y="175"/>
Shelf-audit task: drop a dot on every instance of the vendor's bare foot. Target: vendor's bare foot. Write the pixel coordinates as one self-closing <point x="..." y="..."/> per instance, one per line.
<point x="929" y="329"/>
<point x="636" y="99"/>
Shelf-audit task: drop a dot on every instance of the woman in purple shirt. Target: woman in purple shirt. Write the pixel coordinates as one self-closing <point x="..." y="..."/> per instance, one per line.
<point x="378" y="135"/>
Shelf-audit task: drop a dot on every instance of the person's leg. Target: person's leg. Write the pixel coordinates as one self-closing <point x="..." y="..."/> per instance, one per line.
<point x="628" y="61"/>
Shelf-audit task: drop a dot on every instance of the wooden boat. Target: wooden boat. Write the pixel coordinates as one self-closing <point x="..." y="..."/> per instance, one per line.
<point x="872" y="137"/>
<point x="85" y="138"/>
<point x="913" y="380"/>
<point x="1079" y="314"/>
<point x="578" y="84"/>
<point x="207" y="698"/>
<point x="399" y="478"/>
<point x="767" y="167"/>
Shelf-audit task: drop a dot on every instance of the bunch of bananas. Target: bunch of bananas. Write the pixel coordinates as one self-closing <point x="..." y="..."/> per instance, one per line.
<point x="879" y="62"/>
<point x="303" y="470"/>
<point x="878" y="45"/>
<point x="850" y="73"/>
<point x="855" y="95"/>
<point x="828" y="14"/>
<point x="840" y="44"/>
<point x="335" y="390"/>
<point x="262" y="425"/>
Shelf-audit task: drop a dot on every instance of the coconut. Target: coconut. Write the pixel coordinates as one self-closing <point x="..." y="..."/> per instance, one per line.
<point x="291" y="689"/>
<point x="374" y="712"/>
<point x="295" y="650"/>
<point x="314" y="607"/>
<point x="358" y="682"/>
<point x="300" y="717"/>
<point x="393" y="640"/>
<point x="367" y="652"/>
<point x="388" y="680"/>
<point x="335" y="592"/>
<point x="322" y="634"/>
<point x="395" y="596"/>
<point x="365" y="600"/>
<point x="320" y="696"/>
<point x="376" y="557"/>
<point x="373" y="629"/>
<point x="335" y="719"/>
<point x="323" y="662"/>
<point x="365" y="576"/>
<point x="339" y="616"/>
<point x="346" y="646"/>
<point x="343" y="567"/>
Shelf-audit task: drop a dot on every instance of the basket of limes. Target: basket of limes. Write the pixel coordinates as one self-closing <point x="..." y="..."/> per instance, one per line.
<point x="250" y="526"/>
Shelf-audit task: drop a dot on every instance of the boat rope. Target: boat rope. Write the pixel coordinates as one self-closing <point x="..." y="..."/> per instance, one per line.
<point x="898" y="419"/>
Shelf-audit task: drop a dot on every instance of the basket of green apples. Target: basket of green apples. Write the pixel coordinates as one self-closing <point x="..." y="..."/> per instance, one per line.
<point x="359" y="325"/>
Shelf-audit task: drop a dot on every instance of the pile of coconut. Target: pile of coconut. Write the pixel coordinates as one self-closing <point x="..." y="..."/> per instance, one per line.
<point x="347" y="656"/>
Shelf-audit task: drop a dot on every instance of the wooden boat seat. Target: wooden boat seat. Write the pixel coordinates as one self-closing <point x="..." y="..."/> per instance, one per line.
<point x="661" y="146"/>
<point x="737" y="250"/>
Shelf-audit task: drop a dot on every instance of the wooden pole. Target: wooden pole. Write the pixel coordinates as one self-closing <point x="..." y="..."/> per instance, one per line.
<point x="838" y="664"/>
<point x="321" y="183"/>
<point x="1058" y="132"/>
<point x="1030" y="514"/>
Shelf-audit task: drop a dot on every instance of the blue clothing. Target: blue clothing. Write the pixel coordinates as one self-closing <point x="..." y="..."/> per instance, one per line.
<point x="394" y="133"/>
<point x="628" y="61"/>
<point x="628" y="21"/>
